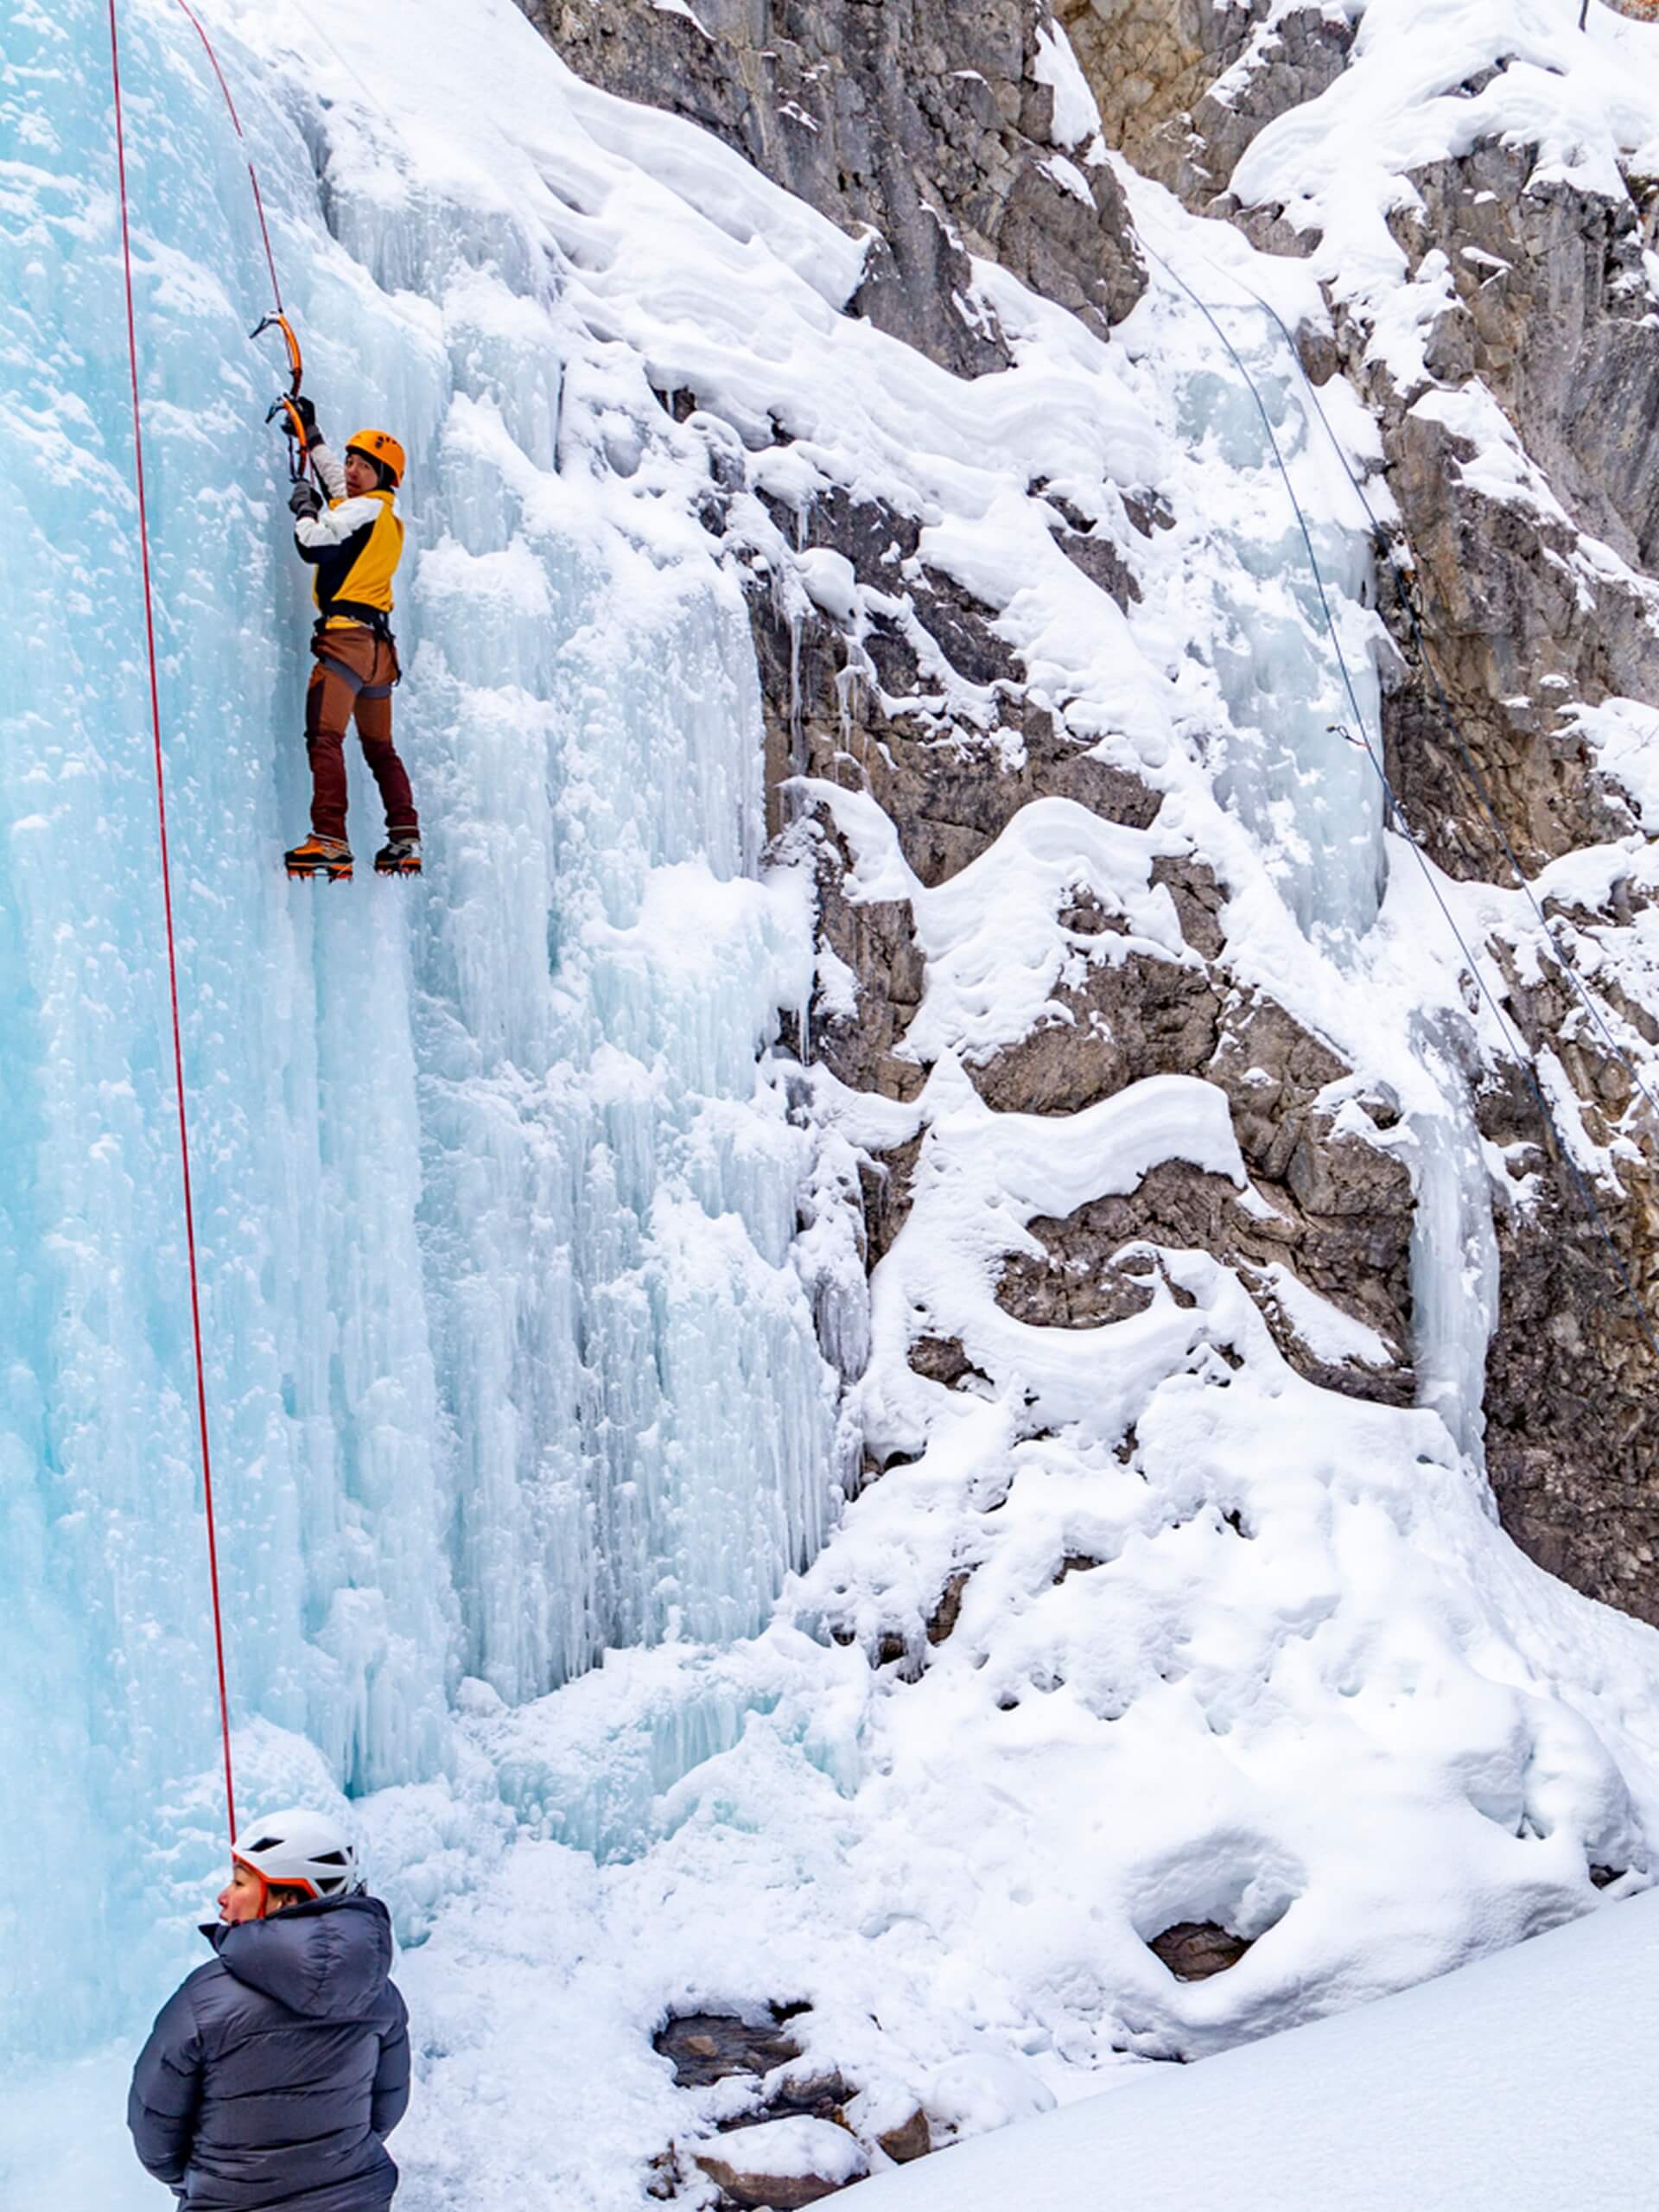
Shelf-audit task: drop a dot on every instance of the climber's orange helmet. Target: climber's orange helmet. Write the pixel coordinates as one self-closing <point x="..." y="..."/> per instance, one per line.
<point x="380" y="447"/>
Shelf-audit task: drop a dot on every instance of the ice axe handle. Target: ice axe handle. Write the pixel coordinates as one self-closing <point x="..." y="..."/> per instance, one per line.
<point x="299" y="453"/>
<point x="295" y="357"/>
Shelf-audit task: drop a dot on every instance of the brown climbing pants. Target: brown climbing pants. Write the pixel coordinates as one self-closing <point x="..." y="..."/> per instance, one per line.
<point x="353" y="675"/>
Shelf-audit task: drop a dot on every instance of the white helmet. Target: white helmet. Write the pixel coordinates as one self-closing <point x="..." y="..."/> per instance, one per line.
<point x="303" y="1848"/>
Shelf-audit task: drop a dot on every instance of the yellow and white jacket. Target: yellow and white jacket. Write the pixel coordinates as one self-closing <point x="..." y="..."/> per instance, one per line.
<point x="354" y="545"/>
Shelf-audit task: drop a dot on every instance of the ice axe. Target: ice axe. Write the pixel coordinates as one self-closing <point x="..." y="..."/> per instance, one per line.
<point x="285" y="403"/>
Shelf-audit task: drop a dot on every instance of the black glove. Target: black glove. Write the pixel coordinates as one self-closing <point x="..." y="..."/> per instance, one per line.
<point x="305" y="502"/>
<point x="308" y="415"/>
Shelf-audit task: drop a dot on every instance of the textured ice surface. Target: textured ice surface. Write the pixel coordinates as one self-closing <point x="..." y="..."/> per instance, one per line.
<point x="508" y="1360"/>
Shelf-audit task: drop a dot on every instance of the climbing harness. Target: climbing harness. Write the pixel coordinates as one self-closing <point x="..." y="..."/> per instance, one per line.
<point x="358" y="611"/>
<point x="1395" y="812"/>
<point x="279" y="318"/>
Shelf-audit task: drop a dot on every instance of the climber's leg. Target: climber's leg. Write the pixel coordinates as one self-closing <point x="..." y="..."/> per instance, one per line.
<point x="344" y="660"/>
<point x="374" y="730"/>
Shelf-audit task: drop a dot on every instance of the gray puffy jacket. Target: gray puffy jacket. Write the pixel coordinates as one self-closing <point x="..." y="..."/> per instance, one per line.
<point x="273" y="2073"/>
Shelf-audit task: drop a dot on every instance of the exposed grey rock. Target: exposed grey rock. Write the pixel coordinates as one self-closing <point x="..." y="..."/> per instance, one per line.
<point x="1551" y="297"/>
<point x="1551" y="315"/>
<point x="1096" y="1267"/>
<point x="1280" y="66"/>
<point x="874" y="938"/>
<point x="1551" y="302"/>
<point x="1148" y="62"/>
<point x="1341" y="1206"/>
<point x="885" y="1181"/>
<point x="1132" y="1017"/>
<point x="941" y="1626"/>
<point x="920" y="122"/>
<point x="1572" y="1418"/>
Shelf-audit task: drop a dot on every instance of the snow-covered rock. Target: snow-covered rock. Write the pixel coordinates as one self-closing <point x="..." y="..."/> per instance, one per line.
<point x="783" y="2162"/>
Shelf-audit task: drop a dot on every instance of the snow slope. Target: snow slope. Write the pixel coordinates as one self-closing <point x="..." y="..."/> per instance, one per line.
<point x="1428" y="80"/>
<point x="1514" y="2085"/>
<point x="541" y="1386"/>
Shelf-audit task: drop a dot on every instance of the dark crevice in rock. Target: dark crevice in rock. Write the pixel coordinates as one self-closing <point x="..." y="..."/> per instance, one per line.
<point x="942" y="1623"/>
<point x="942" y="1359"/>
<point x="1193" y="1950"/>
<point x="710" y="2047"/>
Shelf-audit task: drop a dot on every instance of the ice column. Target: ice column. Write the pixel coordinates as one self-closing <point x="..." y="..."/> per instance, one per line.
<point x="508" y="1358"/>
<point x="1311" y="799"/>
<point x="1455" y="1261"/>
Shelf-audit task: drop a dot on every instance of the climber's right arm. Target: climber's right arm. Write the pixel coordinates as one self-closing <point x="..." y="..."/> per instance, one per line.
<point x="330" y="472"/>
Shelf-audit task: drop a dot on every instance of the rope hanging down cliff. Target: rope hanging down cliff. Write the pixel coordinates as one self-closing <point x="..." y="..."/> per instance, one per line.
<point x="203" y="1431"/>
<point x="1397" y="814"/>
<point x="1474" y="781"/>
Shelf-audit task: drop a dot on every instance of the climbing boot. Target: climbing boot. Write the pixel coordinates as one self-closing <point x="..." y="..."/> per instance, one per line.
<point x="329" y="856"/>
<point x="402" y="856"/>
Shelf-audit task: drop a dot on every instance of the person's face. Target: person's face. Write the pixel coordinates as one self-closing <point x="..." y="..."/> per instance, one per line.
<point x="361" y="475"/>
<point x="243" y="1896"/>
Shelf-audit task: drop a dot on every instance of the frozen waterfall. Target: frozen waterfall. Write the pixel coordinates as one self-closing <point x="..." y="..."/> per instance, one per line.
<point x="1290" y="765"/>
<point x="507" y="1357"/>
<point x="509" y="1304"/>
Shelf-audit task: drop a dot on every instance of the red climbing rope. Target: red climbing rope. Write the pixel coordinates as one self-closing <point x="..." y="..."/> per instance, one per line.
<point x="167" y="904"/>
<point x="253" y="175"/>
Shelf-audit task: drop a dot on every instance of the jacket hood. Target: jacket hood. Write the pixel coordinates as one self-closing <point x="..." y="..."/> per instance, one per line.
<point x="329" y="1959"/>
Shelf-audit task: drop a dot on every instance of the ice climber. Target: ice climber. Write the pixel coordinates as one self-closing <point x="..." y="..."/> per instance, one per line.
<point x="275" y="2073"/>
<point x="354" y="544"/>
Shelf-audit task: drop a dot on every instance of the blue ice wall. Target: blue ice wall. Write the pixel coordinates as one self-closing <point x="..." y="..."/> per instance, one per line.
<point x="507" y="1360"/>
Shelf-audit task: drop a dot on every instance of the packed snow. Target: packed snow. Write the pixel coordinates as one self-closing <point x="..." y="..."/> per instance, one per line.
<point x="1428" y="80"/>
<point x="1513" y="2086"/>
<point x="534" y="1501"/>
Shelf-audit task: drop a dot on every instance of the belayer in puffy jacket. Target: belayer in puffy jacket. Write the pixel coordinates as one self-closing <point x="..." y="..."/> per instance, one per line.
<point x="354" y="543"/>
<point x="275" y="2073"/>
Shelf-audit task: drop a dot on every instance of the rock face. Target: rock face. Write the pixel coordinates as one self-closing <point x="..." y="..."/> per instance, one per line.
<point x="1337" y="1215"/>
<point x="932" y="128"/>
<point x="1338" y="1221"/>
<point x="922" y="124"/>
<point x="1549" y="320"/>
<point x="1149" y="63"/>
<point x="1509" y="614"/>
